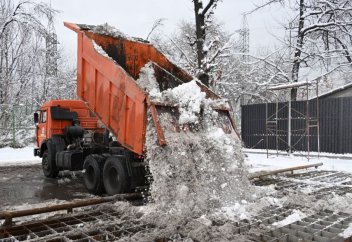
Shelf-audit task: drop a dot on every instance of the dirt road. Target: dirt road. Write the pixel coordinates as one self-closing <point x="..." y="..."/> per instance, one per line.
<point x="27" y="184"/>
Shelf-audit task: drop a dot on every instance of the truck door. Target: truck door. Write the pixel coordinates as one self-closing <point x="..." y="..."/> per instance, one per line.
<point x="42" y="127"/>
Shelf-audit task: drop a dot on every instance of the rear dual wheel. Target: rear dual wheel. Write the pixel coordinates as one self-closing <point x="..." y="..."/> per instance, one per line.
<point x="108" y="176"/>
<point x="93" y="174"/>
<point x="115" y="176"/>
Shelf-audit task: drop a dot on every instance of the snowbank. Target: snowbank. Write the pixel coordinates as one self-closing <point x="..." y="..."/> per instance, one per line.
<point x="20" y="156"/>
<point x="258" y="162"/>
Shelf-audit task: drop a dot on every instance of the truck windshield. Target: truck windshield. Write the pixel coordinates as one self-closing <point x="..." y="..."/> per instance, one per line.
<point x="58" y="113"/>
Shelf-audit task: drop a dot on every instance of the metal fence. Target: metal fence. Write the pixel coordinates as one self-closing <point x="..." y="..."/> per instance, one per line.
<point x="335" y="118"/>
<point x="16" y="124"/>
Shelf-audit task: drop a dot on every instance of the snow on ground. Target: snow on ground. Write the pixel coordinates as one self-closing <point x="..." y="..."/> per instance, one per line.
<point x="347" y="233"/>
<point x="258" y="161"/>
<point x="296" y="215"/>
<point x="21" y="156"/>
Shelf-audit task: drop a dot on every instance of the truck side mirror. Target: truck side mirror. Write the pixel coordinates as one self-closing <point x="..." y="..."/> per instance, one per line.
<point x="36" y="118"/>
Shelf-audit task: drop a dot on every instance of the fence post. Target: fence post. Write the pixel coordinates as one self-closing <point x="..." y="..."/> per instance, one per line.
<point x="13" y="126"/>
<point x="341" y="130"/>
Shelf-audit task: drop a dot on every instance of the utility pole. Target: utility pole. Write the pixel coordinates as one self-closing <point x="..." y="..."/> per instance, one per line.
<point x="244" y="38"/>
<point x="51" y="55"/>
<point x="51" y="48"/>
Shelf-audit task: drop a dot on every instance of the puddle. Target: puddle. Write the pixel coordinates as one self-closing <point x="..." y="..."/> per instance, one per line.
<point x="27" y="184"/>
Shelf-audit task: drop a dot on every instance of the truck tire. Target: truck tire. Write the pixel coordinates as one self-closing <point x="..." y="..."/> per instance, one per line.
<point x="115" y="176"/>
<point x="53" y="145"/>
<point x="48" y="165"/>
<point x="93" y="175"/>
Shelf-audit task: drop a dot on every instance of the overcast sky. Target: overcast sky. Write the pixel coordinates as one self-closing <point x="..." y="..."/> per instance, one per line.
<point x="135" y="17"/>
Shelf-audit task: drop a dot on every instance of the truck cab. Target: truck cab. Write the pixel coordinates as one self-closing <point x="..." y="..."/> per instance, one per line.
<point x="59" y="124"/>
<point x="54" y="116"/>
<point x="69" y="136"/>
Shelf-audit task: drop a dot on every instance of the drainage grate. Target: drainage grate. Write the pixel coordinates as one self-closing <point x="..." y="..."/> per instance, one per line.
<point x="105" y="224"/>
<point x="102" y="225"/>
<point x="319" y="183"/>
<point x="324" y="226"/>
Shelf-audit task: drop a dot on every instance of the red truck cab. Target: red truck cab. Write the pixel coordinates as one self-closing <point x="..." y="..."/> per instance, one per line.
<point x="55" y="115"/>
<point x="69" y="136"/>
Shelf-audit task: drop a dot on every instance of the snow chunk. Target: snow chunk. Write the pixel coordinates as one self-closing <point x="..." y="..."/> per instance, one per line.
<point x="294" y="217"/>
<point x="147" y="80"/>
<point x="189" y="97"/>
<point x="100" y="50"/>
<point x="347" y="233"/>
<point x="235" y="212"/>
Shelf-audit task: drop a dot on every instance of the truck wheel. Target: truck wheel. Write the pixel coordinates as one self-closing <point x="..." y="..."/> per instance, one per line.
<point x="116" y="179"/>
<point x="48" y="165"/>
<point x="93" y="175"/>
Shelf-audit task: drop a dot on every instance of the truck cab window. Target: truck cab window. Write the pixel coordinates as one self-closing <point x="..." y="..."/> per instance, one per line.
<point x="43" y="117"/>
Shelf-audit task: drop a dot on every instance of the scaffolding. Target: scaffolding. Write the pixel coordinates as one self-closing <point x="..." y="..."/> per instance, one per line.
<point x="311" y="121"/>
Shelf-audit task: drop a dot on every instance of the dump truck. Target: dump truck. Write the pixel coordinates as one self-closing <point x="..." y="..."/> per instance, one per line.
<point x="104" y="132"/>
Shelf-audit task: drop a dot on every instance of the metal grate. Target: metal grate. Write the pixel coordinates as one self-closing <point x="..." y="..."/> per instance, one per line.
<point x="99" y="225"/>
<point x="109" y="225"/>
<point x="322" y="183"/>
<point x="105" y="224"/>
<point x="324" y="226"/>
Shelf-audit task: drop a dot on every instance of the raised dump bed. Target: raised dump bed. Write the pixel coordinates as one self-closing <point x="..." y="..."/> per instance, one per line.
<point x="109" y="64"/>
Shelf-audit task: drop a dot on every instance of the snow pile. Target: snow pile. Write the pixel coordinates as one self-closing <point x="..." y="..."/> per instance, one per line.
<point x="201" y="167"/>
<point x="188" y="98"/>
<point x="294" y="217"/>
<point x="22" y="156"/>
<point x="107" y="29"/>
<point x="236" y="212"/>
<point x="347" y="233"/>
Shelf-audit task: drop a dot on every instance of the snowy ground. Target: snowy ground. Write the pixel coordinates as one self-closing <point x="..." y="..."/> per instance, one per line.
<point x="206" y="227"/>
<point x="257" y="160"/>
<point x="21" y="156"/>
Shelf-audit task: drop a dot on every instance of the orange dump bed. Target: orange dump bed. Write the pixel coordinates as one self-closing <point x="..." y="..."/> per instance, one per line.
<point x="108" y="86"/>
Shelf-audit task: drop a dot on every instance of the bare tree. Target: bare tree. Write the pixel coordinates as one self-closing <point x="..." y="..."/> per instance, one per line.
<point x="322" y="38"/>
<point x="182" y="49"/>
<point x="203" y="18"/>
<point x="157" y="23"/>
<point x="23" y="77"/>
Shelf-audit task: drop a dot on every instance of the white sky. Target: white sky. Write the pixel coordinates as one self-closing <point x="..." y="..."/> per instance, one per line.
<point x="135" y="18"/>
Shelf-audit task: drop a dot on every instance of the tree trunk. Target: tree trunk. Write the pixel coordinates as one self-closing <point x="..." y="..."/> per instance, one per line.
<point x="200" y="35"/>
<point x="298" y="50"/>
<point x="200" y="31"/>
